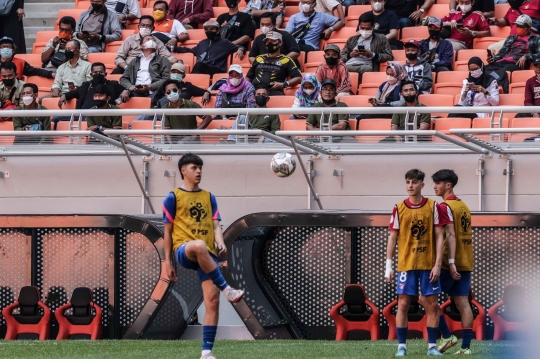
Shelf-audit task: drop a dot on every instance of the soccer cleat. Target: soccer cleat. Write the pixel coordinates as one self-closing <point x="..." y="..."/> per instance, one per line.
<point x="464" y="351"/>
<point x="401" y="352"/>
<point x="209" y="356"/>
<point x="447" y="343"/>
<point x="233" y="295"/>
<point x="433" y="351"/>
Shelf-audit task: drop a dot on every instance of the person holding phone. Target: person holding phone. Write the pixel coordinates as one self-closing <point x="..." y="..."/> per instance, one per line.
<point x="72" y="73"/>
<point x="465" y="25"/>
<point x="98" y="26"/>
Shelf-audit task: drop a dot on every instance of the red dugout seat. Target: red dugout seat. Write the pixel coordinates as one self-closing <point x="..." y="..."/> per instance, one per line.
<point x="453" y="317"/>
<point x="30" y="323"/>
<point x="85" y="320"/>
<point x="510" y="313"/>
<point x="416" y="315"/>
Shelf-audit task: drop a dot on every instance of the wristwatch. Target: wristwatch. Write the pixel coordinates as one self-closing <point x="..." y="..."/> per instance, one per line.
<point x="286" y="84"/>
<point x="473" y="33"/>
<point x="422" y="10"/>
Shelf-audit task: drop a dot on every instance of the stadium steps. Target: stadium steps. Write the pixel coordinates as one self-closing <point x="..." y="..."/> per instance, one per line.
<point x="40" y="16"/>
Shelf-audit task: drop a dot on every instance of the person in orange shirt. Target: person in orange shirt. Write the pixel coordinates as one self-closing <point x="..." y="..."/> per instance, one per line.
<point x="168" y="31"/>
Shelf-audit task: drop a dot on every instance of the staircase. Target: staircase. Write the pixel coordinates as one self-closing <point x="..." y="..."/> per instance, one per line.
<point x="40" y="16"/>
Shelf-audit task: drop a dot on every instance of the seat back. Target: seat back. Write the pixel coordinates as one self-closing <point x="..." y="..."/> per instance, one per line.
<point x="28" y="301"/>
<point x="514" y="303"/>
<point x="355" y="299"/>
<point x="416" y="311"/>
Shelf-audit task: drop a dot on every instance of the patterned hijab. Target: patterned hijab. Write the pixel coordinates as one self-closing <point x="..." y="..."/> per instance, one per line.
<point x="305" y="99"/>
<point x="400" y="73"/>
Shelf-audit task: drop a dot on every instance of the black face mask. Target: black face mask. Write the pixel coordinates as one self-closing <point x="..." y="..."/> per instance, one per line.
<point x="210" y="35"/>
<point x="331" y="61"/>
<point x="261" y="100"/>
<point x="100" y="103"/>
<point x="409" y="98"/>
<point x="271" y="48"/>
<point x="411" y="56"/>
<point x="231" y="3"/>
<point x="9" y="82"/>
<point x="97" y="7"/>
<point x="434" y="34"/>
<point x="328" y="102"/>
<point x="69" y="54"/>
<point x="98" y="79"/>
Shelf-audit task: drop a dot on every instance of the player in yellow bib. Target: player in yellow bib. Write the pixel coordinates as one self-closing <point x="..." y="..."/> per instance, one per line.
<point x="458" y="260"/>
<point x="415" y="227"/>
<point x="192" y="233"/>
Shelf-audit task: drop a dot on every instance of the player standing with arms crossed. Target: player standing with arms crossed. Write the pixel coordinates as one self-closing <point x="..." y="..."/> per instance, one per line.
<point x="415" y="227"/>
<point x="192" y="230"/>
<point x="458" y="259"/>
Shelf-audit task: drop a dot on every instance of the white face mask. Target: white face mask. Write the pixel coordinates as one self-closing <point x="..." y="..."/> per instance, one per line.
<point x="265" y="29"/>
<point x="465" y="8"/>
<point x="306" y="7"/>
<point x="309" y="92"/>
<point x="150" y="44"/>
<point x="391" y="79"/>
<point x="366" y="33"/>
<point x="235" y="82"/>
<point x="377" y="6"/>
<point x="476" y="73"/>
<point x="144" y="31"/>
<point x="27" y="100"/>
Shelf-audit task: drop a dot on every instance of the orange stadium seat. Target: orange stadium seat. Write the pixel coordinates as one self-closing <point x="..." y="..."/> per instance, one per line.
<point x="51" y="103"/>
<point x="290" y="91"/>
<point x="32" y="59"/>
<point x="399" y="55"/>
<point x="214" y="125"/>
<point x="373" y="124"/>
<point x="485" y="42"/>
<point x="354" y="13"/>
<point x="451" y="76"/>
<point x="75" y="13"/>
<point x="501" y="10"/>
<point x="354" y="77"/>
<point x="7" y="126"/>
<point x="373" y="78"/>
<point x="517" y="88"/>
<point x="522" y="75"/>
<point x="310" y="68"/>
<point x="280" y="101"/>
<point x="485" y="122"/>
<point x="445" y="124"/>
<point x="219" y="76"/>
<point x="294" y="125"/>
<point x="45" y="36"/>
<point x="357" y="101"/>
<point x="37" y="48"/>
<point x="246" y="65"/>
<point x="448" y="88"/>
<point x="137" y="103"/>
<point x="510" y="100"/>
<point x="145" y="125"/>
<point x="127" y="33"/>
<point x="417" y="33"/>
<point x="437" y="10"/>
<point x="499" y="31"/>
<point x="195" y="36"/>
<point x="112" y="47"/>
<point x="107" y="58"/>
<point x="525" y="122"/>
<point x="369" y="89"/>
<point x="461" y="66"/>
<point x="384" y="65"/>
<point x="463" y="56"/>
<point x="201" y="80"/>
<point x="314" y="58"/>
<point x="443" y="1"/>
<point x="82" y="4"/>
<point x="113" y="77"/>
<point x="187" y="58"/>
<point x="210" y="104"/>
<point x="43" y="84"/>
<point x="437" y="100"/>
<point x="343" y="33"/>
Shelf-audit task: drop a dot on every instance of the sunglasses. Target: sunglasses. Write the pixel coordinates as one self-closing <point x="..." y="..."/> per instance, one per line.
<point x="173" y="90"/>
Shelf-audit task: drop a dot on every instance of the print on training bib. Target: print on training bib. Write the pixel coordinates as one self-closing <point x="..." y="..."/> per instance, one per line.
<point x="418" y="228"/>
<point x="465" y="220"/>
<point x="197" y="210"/>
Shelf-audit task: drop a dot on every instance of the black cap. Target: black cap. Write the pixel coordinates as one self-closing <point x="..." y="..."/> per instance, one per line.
<point x="536" y="59"/>
<point x="329" y="82"/>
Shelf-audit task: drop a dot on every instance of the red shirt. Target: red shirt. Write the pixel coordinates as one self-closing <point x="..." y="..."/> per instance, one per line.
<point x="476" y="21"/>
<point x="529" y="7"/>
<point x="446" y="216"/>
<point x="532" y="92"/>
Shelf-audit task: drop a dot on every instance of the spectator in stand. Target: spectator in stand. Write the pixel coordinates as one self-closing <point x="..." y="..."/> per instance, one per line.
<point x="236" y="26"/>
<point x="7" y="54"/>
<point x="335" y="69"/>
<point x="328" y="95"/>
<point x="11" y="24"/>
<point x="131" y="48"/>
<point x="98" y="26"/>
<point x="272" y="69"/>
<point x="237" y="92"/>
<point x="168" y="31"/>
<point x="308" y="26"/>
<point x="517" y="8"/>
<point x="532" y="89"/>
<point x="191" y="13"/>
<point x="259" y="8"/>
<point x="479" y="89"/>
<point x="124" y="9"/>
<point x="29" y="102"/>
<point x="465" y="25"/>
<point x="52" y="55"/>
<point x="487" y="8"/>
<point x="146" y="73"/>
<point x="399" y="120"/>
<point x="386" y="23"/>
<point x="367" y="50"/>
<point x="213" y="53"/>
<point x="102" y="97"/>
<point x="10" y="88"/>
<point x="418" y="70"/>
<point x="436" y="51"/>
<point x="307" y="95"/>
<point x="187" y="89"/>
<point x="331" y="7"/>
<point x="72" y="73"/>
<point x="407" y="12"/>
<point x="518" y="49"/>
<point x="268" y="23"/>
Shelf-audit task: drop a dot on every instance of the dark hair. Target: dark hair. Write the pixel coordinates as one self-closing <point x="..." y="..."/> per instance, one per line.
<point x="147" y="17"/>
<point x="98" y="64"/>
<point x="77" y="43"/>
<point x="32" y="86"/>
<point x="269" y="15"/>
<point x="188" y="158"/>
<point x="445" y="176"/>
<point x="367" y="17"/>
<point x="103" y="89"/>
<point x="262" y="87"/>
<point x="415" y="174"/>
<point x="9" y="66"/>
<point x="168" y="82"/>
<point x="408" y="82"/>
<point x="68" y="20"/>
<point x="162" y="2"/>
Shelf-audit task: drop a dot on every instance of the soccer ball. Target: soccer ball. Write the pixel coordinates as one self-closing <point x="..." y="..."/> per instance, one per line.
<point x="283" y="164"/>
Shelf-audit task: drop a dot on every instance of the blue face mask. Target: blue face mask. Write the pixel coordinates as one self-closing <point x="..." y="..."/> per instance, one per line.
<point x="173" y="96"/>
<point x="6" y="52"/>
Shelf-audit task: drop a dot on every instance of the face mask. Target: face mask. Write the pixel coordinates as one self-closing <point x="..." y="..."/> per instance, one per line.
<point x="98" y="79"/>
<point x="522" y="31"/>
<point x="411" y="56"/>
<point x="409" y="98"/>
<point x="9" y="82"/>
<point x="271" y="48"/>
<point x="64" y="35"/>
<point x="173" y="96"/>
<point x="331" y="61"/>
<point x="476" y="73"/>
<point x="265" y="29"/>
<point x="309" y="92"/>
<point x="465" y="8"/>
<point x="159" y="15"/>
<point x="235" y="82"/>
<point x="69" y="54"/>
<point x="366" y="34"/>
<point x="6" y="52"/>
<point x="97" y="7"/>
<point x="150" y="44"/>
<point x="329" y="102"/>
<point x="377" y="6"/>
<point x="100" y="103"/>
<point x="176" y="77"/>
<point x="231" y="3"/>
<point x="391" y="79"/>
<point x="306" y="7"/>
<point x="434" y="34"/>
<point x="27" y="100"/>
<point x="261" y="100"/>
<point x="144" y="31"/>
<point x="210" y="35"/>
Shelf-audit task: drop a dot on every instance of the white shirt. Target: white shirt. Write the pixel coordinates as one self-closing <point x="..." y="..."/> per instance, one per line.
<point x="177" y="29"/>
<point x="479" y="99"/>
<point x="143" y="75"/>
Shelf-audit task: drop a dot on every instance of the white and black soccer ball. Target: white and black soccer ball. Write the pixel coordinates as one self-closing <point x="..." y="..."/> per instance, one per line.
<point x="283" y="164"/>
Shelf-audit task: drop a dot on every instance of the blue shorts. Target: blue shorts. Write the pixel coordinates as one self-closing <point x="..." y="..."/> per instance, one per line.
<point x="184" y="261"/>
<point x="408" y="282"/>
<point x="459" y="288"/>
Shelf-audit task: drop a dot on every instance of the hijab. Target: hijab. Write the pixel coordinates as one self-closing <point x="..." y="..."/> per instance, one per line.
<point x="227" y="87"/>
<point x="400" y="73"/>
<point x="484" y="80"/>
<point x="305" y="99"/>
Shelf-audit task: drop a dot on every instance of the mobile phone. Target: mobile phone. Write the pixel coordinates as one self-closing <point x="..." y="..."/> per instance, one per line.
<point x="118" y="101"/>
<point x="489" y="53"/>
<point x="361" y="48"/>
<point x="139" y="86"/>
<point x="85" y="32"/>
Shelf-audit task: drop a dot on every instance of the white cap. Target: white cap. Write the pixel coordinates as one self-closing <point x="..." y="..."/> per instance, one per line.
<point x="236" y="68"/>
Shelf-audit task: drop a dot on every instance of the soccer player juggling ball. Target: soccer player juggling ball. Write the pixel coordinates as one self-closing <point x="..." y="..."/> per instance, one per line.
<point x="192" y="231"/>
<point x="415" y="227"/>
<point x="458" y="259"/>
